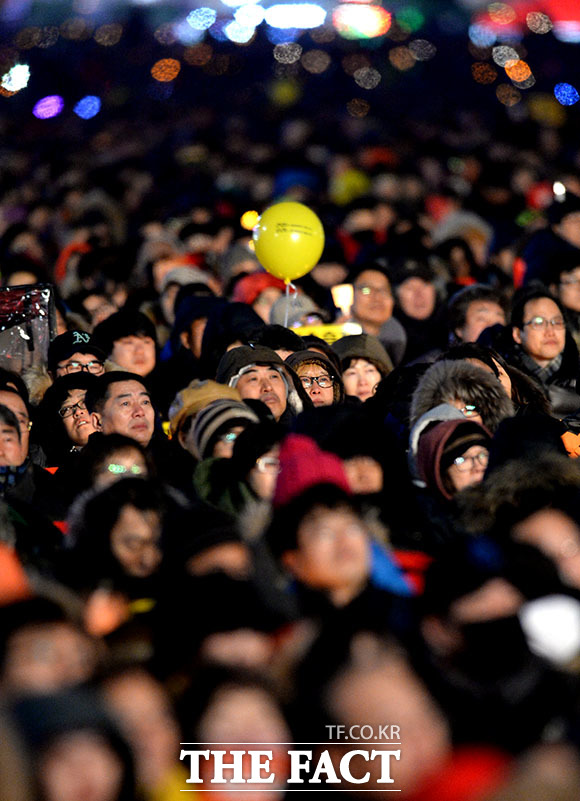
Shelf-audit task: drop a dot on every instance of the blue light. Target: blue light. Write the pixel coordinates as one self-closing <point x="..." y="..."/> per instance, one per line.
<point x="481" y="35"/>
<point x="202" y="18"/>
<point x="88" y="107"/>
<point x="566" y="94"/>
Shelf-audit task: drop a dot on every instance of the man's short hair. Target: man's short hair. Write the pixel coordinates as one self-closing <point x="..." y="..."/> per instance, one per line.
<point x="525" y="295"/>
<point x="460" y="302"/>
<point x="98" y="393"/>
<point x="8" y="418"/>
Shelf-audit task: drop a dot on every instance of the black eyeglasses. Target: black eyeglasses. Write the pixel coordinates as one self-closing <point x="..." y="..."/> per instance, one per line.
<point x="323" y="381"/>
<point x="79" y="367"/>
<point x="465" y="463"/>
<point x="66" y="411"/>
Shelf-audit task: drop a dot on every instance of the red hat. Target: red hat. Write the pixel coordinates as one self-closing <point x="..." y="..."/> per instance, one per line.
<point x="304" y="465"/>
<point x="250" y="287"/>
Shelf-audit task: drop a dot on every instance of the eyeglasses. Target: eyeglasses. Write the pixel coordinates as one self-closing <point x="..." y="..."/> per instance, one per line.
<point x="469" y="410"/>
<point x="538" y="323"/>
<point x="364" y="289"/>
<point x="569" y="281"/>
<point x="268" y="464"/>
<point x="231" y="436"/>
<point x="120" y="469"/>
<point x="66" y="411"/>
<point x="466" y="463"/>
<point x="78" y="367"/>
<point x="323" y="381"/>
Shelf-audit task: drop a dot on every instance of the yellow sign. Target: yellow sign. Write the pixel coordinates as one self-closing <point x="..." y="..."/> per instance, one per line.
<point x="330" y="332"/>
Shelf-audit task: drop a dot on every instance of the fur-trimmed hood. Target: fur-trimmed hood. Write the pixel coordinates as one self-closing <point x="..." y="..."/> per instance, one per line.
<point x="447" y="380"/>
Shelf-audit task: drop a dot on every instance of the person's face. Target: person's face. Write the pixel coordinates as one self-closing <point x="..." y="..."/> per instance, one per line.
<point x="167" y="301"/>
<point x="546" y="341"/>
<point x="320" y="396"/>
<point x="98" y="307"/>
<point x="80" y="362"/>
<point x="468" y="410"/>
<point x="80" y="764"/>
<point x="364" y="474"/>
<point x="193" y="338"/>
<point x="373" y="300"/>
<point x="78" y="423"/>
<point x="11" y="451"/>
<point x="361" y="378"/>
<point x="46" y="657"/>
<point x="126" y="462"/>
<point x="263" y="475"/>
<point x="128" y="410"/>
<point x="471" y="469"/>
<point x="569" y="228"/>
<point x="555" y="534"/>
<point x="135" y="354"/>
<point x="265" y="384"/>
<point x="332" y="554"/>
<point x="502" y="376"/>
<point x="224" y="447"/>
<point x="569" y="289"/>
<point x="135" y="541"/>
<point x="417" y="298"/>
<point x="14" y="402"/>
<point x="481" y="314"/>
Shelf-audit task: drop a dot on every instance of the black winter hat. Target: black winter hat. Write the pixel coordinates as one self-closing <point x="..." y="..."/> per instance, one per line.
<point x="66" y="345"/>
<point x="236" y="359"/>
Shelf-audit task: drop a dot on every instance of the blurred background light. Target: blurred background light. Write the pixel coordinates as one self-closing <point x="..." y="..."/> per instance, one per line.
<point x="48" y="107"/>
<point x="88" y="107"/>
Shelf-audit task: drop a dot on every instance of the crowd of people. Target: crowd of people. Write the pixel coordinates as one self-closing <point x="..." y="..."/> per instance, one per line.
<point x="219" y="526"/>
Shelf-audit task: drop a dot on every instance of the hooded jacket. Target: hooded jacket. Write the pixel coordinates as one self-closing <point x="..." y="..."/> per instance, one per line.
<point x="446" y="381"/>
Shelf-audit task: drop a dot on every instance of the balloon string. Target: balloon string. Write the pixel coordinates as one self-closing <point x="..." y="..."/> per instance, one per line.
<point x="287" y="312"/>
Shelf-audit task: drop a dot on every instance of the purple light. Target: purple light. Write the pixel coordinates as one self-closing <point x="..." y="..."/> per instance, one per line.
<point x="47" y="107"/>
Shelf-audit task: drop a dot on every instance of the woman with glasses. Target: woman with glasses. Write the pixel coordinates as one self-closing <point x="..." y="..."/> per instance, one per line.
<point x="318" y="377"/>
<point x="64" y="425"/>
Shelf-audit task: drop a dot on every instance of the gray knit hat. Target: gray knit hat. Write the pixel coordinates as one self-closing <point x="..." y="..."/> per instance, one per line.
<point x="363" y="346"/>
<point x="216" y="419"/>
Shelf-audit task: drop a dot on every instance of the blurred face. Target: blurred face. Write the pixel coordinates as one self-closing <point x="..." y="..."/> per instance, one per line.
<point x="555" y="534"/>
<point x="98" y="307"/>
<point x="569" y="289"/>
<point x="265" y="384"/>
<point x="569" y="229"/>
<point x="193" y="338"/>
<point x="135" y="354"/>
<point x="417" y="298"/>
<point x="502" y="376"/>
<point x="16" y="405"/>
<point x="126" y="462"/>
<point x="224" y="447"/>
<point x="332" y="553"/>
<point x="80" y="765"/>
<point x="361" y="378"/>
<point x="79" y="362"/>
<point x="373" y="300"/>
<point x="264" y="302"/>
<point x="468" y="468"/>
<point x="77" y="422"/>
<point x="264" y="474"/>
<point x="47" y="657"/>
<point x="320" y="396"/>
<point x="128" y="410"/>
<point x="365" y="475"/>
<point x="467" y="409"/>
<point x="11" y="451"/>
<point x="543" y="334"/>
<point x="481" y="314"/>
<point x="135" y="541"/>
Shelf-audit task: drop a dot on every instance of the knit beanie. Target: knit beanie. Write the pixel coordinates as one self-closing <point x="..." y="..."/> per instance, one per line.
<point x="363" y="346"/>
<point x="460" y="441"/>
<point x="233" y="361"/>
<point x="304" y="465"/>
<point x="215" y="419"/>
<point x="196" y="396"/>
<point x="250" y="287"/>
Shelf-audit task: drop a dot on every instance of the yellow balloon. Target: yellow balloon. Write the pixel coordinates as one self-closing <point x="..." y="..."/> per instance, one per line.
<point x="288" y="240"/>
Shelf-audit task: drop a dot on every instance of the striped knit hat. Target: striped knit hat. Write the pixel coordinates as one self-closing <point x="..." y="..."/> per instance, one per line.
<point x="217" y="418"/>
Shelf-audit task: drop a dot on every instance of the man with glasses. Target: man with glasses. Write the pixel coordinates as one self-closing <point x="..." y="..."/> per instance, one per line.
<point x="544" y="350"/>
<point x="74" y="352"/>
<point x="372" y="308"/>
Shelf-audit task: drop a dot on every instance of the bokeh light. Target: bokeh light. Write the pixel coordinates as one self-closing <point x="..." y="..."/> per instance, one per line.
<point x="166" y="69"/>
<point x="76" y="29"/>
<point x="88" y="107"/>
<point x="249" y="15"/>
<point x="198" y="55"/>
<point x="48" y="107"/>
<point x="367" y="78"/>
<point x="249" y="220"/>
<point x="410" y="18"/>
<point x="357" y="107"/>
<point x="323" y="35"/>
<point x="401" y="58"/>
<point x="287" y="53"/>
<point x="316" y="61"/>
<point x="501" y="13"/>
<point x="518" y="70"/>
<point x="165" y="34"/>
<point x="27" y="38"/>
<point x="238" y="33"/>
<point x="481" y="35"/>
<point x="16" y="78"/>
<point x="502" y="54"/>
<point x="202" y="18"/>
<point x="538" y="22"/>
<point x="49" y="36"/>
<point x="566" y="94"/>
<point x="355" y="61"/>
<point x="422" y="50"/>
<point x="361" y="22"/>
<point x="108" y="35"/>
<point x="508" y="95"/>
<point x="295" y="15"/>
<point x="483" y="73"/>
